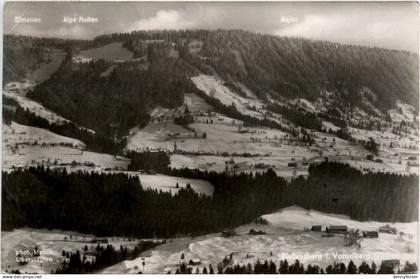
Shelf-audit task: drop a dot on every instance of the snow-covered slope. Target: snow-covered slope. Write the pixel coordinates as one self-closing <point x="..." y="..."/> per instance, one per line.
<point x="215" y="88"/>
<point x="35" y="107"/>
<point x="285" y="238"/>
<point x="29" y="146"/>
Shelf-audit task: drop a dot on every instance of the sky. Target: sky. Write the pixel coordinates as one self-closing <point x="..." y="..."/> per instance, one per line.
<point x="392" y="25"/>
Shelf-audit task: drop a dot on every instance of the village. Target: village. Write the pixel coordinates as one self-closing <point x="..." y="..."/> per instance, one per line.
<point x="281" y="233"/>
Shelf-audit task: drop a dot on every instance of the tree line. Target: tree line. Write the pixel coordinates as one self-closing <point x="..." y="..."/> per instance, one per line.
<point x="297" y="116"/>
<point x="103" y="257"/>
<point x="226" y="266"/>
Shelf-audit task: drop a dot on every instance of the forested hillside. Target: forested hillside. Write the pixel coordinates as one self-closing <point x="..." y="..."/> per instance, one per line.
<point x="113" y="97"/>
<point x="294" y="67"/>
<point x="117" y="102"/>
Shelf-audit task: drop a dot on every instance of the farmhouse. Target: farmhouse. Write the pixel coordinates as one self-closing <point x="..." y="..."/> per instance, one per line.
<point x="337" y="229"/>
<point x="254" y="232"/>
<point x="195" y="262"/>
<point x="387" y="229"/>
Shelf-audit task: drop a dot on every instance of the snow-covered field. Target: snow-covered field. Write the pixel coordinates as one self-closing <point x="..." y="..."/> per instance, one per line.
<point x="17" y="134"/>
<point x="195" y="103"/>
<point x="34" y="107"/>
<point x="112" y="52"/>
<point x="285" y="238"/>
<point x="167" y="183"/>
<point x="402" y="112"/>
<point x="226" y="139"/>
<point x="52" y="156"/>
<point x="29" y="146"/>
<point x="241" y="164"/>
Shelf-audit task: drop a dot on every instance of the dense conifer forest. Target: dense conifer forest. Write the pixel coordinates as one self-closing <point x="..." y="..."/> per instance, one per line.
<point x="104" y="257"/>
<point x="115" y="103"/>
<point x="294" y="67"/>
<point x="118" y="205"/>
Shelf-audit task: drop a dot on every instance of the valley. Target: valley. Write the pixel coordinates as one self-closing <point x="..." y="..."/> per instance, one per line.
<point x="187" y="140"/>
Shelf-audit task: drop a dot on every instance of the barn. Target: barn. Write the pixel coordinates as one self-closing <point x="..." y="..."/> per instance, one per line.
<point x="387" y="229"/>
<point x="337" y="229"/>
<point x="195" y="262"/>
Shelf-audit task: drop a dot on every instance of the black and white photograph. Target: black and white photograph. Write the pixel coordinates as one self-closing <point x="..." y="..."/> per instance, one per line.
<point x="210" y="138"/>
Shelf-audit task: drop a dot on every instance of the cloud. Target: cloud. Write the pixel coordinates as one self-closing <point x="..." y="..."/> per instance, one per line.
<point x="189" y="17"/>
<point x="76" y="31"/>
<point x="165" y="19"/>
<point x="355" y="28"/>
<point x="390" y="25"/>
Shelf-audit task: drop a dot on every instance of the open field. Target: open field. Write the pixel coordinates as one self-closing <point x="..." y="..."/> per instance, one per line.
<point x="167" y="183"/>
<point x="110" y="52"/>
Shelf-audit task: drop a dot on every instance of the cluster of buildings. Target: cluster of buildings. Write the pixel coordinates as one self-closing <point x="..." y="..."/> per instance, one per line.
<point x="341" y="229"/>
